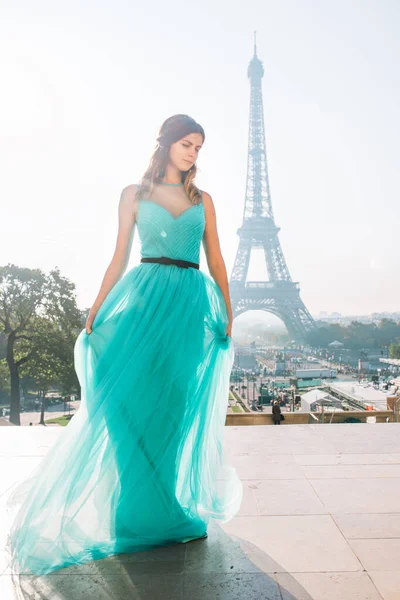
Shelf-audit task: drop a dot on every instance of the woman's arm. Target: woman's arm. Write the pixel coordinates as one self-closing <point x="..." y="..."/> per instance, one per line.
<point x="215" y="261"/>
<point x="120" y="259"/>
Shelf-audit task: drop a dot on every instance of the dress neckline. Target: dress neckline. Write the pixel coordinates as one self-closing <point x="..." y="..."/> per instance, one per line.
<point x="174" y="217"/>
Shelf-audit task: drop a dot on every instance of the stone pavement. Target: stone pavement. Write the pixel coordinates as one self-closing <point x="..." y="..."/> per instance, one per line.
<point x="320" y="520"/>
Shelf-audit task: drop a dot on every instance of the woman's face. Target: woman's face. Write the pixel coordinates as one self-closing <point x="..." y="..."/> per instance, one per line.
<point x="183" y="153"/>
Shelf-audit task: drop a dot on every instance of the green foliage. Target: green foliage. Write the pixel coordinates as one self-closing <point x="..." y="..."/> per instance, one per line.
<point x="394" y="351"/>
<point x="40" y="321"/>
<point x="63" y="421"/>
<point x="356" y="335"/>
<point x="5" y="387"/>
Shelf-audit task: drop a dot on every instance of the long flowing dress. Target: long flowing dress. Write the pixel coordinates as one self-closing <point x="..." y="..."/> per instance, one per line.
<point x="141" y="464"/>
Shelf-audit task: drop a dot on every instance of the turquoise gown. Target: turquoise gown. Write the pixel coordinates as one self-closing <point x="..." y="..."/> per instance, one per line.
<point x="141" y="464"/>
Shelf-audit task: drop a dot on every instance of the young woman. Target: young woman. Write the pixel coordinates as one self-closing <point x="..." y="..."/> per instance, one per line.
<point x="141" y="463"/>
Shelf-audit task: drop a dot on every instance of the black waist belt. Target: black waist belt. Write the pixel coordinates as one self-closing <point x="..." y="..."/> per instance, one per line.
<point x="164" y="260"/>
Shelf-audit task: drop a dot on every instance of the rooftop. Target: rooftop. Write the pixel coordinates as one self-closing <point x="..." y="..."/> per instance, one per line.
<point x="365" y="392"/>
<point x="320" y="519"/>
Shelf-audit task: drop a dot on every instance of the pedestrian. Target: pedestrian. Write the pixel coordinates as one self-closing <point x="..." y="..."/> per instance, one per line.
<point x="276" y="413"/>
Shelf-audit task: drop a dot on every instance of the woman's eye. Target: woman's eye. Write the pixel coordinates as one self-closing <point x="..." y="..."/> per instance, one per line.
<point x="188" y="146"/>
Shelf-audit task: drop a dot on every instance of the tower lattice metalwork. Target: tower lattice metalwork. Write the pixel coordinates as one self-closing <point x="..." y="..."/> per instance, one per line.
<point x="279" y="295"/>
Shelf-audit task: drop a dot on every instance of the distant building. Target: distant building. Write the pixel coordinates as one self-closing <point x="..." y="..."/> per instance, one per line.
<point x="314" y="400"/>
<point x="335" y="344"/>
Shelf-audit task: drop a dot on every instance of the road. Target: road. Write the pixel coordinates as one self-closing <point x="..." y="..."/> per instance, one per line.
<point x="54" y="411"/>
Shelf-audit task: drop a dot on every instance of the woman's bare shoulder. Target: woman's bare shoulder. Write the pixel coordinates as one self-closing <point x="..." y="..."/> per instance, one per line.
<point x="129" y="192"/>
<point x="208" y="203"/>
<point x="206" y="196"/>
<point x="128" y="196"/>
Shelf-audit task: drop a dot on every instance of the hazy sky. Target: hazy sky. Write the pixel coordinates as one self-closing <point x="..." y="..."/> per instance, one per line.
<point x="86" y="86"/>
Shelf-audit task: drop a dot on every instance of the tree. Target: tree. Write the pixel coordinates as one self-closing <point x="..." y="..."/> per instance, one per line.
<point x="320" y="337"/>
<point x="40" y="320"/>
<point x="388" y="332"/>
<point x="52" y="362"/>
<point x="394" y="351"/>
<point x="4" y="381"/>
<point x="357" y="335"/>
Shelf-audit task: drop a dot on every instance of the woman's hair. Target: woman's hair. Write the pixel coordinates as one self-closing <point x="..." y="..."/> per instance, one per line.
<point x="172" y="130"/>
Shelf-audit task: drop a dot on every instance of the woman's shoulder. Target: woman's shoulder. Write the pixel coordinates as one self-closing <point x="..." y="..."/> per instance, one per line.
<point x="205" y="195"/>
<point x="128" y="198"/>
<point x="208" y="204"/>
<point x="130" y="190"/>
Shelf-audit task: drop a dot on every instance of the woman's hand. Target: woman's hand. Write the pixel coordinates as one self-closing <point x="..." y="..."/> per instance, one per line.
<point x="89" y="321"/>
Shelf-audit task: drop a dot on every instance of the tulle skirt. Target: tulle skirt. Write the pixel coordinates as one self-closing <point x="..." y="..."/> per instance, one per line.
<point x="141" y="464"/>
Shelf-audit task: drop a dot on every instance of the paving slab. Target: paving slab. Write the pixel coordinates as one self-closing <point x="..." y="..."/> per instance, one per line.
<point x="320" y="520"/>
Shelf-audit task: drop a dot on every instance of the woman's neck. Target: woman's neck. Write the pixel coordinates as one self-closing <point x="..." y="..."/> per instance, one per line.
<point x="172" y="176"/>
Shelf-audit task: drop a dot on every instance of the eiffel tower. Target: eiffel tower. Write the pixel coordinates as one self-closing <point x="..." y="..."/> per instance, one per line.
<point x="280" y="295"/>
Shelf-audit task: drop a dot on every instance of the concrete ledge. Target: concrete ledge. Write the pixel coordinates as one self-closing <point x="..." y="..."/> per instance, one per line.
<point x="303" y="418"/>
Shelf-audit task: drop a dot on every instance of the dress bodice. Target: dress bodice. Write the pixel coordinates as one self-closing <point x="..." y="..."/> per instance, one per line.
<point x="169" y="224"/>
